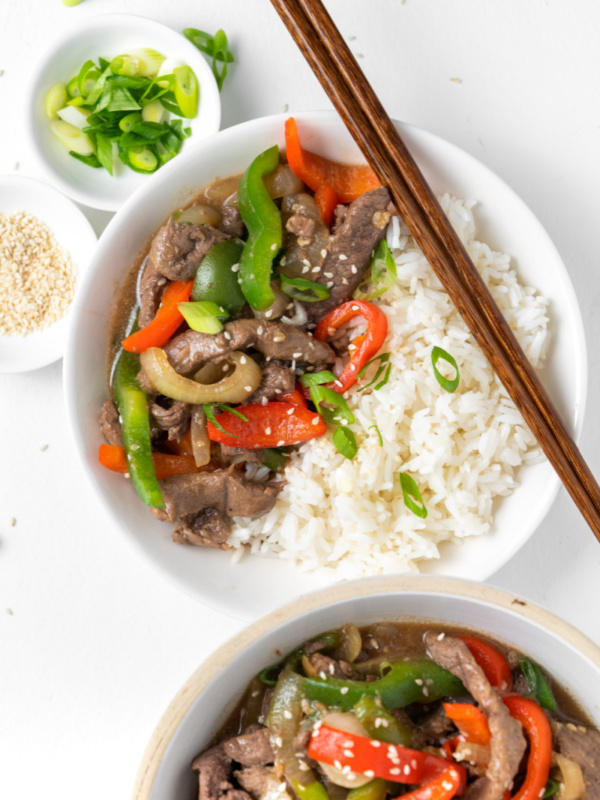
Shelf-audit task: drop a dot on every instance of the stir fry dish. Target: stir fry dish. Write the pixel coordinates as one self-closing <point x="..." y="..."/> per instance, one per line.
<point x="247" y="324"/>
<point x="396" y="710"/>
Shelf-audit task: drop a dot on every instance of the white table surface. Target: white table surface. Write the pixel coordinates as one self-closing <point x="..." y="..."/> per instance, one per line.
<point x="93" y="645"/>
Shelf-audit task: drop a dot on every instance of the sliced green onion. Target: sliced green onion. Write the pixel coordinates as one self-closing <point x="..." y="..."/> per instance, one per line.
<point x="71" y="3"/>
<point x="125" y="65"/>
<point x="127" y="122"/>
<point x="384" y="274"/>
<point x="210" y="416"/>
<point x="149" y="61"/>
<point x="216" y="46"/>
<point x="104" y="151"/>
<point x="345" y="441"/>
<point x="203" y="315"/>
<point x="142" y="159"/>
<point x="383" y="359"/>
<point x="73" y="88"/>
<point x="55" y="100"/>
<point x="323" y="394"/>
<point x="273" y="458"/>
<point x="380" y="437"/>
<point x="154" y="111"/>
<point x="315" y="378"/>
<point x="411" y="493"/>
<point x="301" y="289"/>
<point x="187" y="93"/>
<point x="78" y="117"/>
<point x="540" y="690"/>
<point x="72" y="138"/>
<point x="551" y="788"/>
<point x="89" y="161"/>
<point x="445" y="383"/>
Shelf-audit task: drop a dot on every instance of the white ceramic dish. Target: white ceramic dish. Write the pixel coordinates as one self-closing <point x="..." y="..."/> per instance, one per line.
<point x="72" y="231"/>
<point x="108" y="36"/>
<point x="213" y="691"/>
<point x="246" y="589"/>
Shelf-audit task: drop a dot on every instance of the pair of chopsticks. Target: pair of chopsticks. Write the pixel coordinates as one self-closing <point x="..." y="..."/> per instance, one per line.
<point x="327" y="53"/>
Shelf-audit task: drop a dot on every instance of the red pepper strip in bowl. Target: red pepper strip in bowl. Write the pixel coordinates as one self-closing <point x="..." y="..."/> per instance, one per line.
<point x="493" y="663"/>
<point x="327" y="201"/>
<point x="347" y="181"/>
<point x="470" y="721"/>
<point x="378" y="759"/>
<point x="364" y="347"/>
<point x="536" y="726"/>
<point x="112" y="457"/>
<point x="275" y="424"/>
<point x="295" y="396"/>
<point x="168" y="318"/>
<point x="444" y="787"/>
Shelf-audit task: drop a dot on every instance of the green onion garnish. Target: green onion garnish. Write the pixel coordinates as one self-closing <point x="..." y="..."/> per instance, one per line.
<point x="315" y="378"/>
<point x="210" y="416"/>
<point x="301" y="289"/>
<point x="383" y="359"/>
<point x="551" y="788"/>
<point x="411" y="493"/>
<point x="203" y="315"/>
<point x="445" y="383"/>
<point x="273" y="458"/>
<point x="540" y="690"/>
<point x="383" y="273"/>
<point x="345" y="441"/>
<point x="323" y="394"/>
<point x="378" y="434"/>
<point x="215" y="46"/>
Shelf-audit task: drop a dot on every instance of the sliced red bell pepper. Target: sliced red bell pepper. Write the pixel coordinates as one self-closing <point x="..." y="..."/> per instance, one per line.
<point x="183" y="446"/>
<point x="327" y="201"/>
<point x="493" y="663"/>
<point x="295" y="396"/>
<point x="377" y="759"/>
<point x="470" y="721"/>
<point x="536" y="726"/>
<point x="275" y="424"/>
<point x="444" y="787"/>
<point x="168" y="318"/>
<point x="112" y="457"/>
<point x="347" y="181"/>
<point x="361" y="349"/>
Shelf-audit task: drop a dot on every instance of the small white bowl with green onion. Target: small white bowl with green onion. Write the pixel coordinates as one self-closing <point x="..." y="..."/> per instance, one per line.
<point x="115" y="99"/>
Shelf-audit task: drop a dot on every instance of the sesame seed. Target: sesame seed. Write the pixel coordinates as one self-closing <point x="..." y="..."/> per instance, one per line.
<point x="315" y="421"/>
<point x="447" y="785"/>
<point x="227" y="335"/>
<point x="368" y="773"/>
<point x="406" y="769"/>
<point x="279" y="741"/>
<point x="395" y="771"/>
<point x="287" y="714"/>
<point x="282" y="786"/>
<point x="264" y="401"/>
<point x="375" y="743"/>
<point x="269" y="313"/>
<point x="343" y="257"/>
<point x="268" y="431"/>
<point x="290" y="411"/>
<point x="323" y="252"/>
<point x="328" y="274"/>
<point x="439" y="638"/>
<point x="281" y="443"/>
<point x="247" y="388"/>
<point x="419" y="681"/>
<point x="255" y="694"/>
<point x="426" y="691"/>
<point x="337" y="764"/>
<point x="349" y="743"/>
<point x="305" y="269"/>
<point x="296" y="355"/>
<point x="251" y="276"/>
<point x="316" y="269"/>
<point x="317" y="725"/>
<point x="413" y="764"/>
<point x="344" y="689"/>
<point x="348" y="753"/>
<point x="274" y="246"/>
<point x="355" y="308"/>
<point x="329" y="284"/>
<point x="243" y="359"/>
<point x="235" y="267"/>
<point x="353" y="269"/>
<point x="345" y="281"/>
<point x="306" y="262"/>
<point x="13" y="522"/>
<point x="9" y="611"/>
<point x="259" y="330"/>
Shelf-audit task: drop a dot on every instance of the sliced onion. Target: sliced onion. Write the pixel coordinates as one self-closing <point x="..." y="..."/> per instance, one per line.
<point x="473" y="753"/>
<point x="572" y="785"/>
<point x="233" y="388"/>
<point x="277" y="307"/>
<point x="282" y="181"/>
<point x="201" y="215"/>
<point x="300" y="316"/>
<point x="351" y="643"/>
<point x="223" y="191"/>
<point x="348" y="723"/>
<point x="199" y="436"/>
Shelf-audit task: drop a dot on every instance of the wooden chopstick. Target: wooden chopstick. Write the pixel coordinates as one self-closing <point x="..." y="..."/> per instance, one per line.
<point x="324" y="48"/>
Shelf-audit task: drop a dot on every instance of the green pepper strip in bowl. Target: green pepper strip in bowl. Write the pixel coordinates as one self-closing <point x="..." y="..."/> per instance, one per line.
<point x="215" y="279"/>
<point x="263" y="220"/>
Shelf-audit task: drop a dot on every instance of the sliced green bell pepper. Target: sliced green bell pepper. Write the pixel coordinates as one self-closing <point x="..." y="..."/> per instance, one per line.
<point x="420" y="681"/>
<point x="132" y="404"/>
<point x="376" y="789"/>
<point x="216" y="281"/>
<point x="263" y="220"/>
<point x="368" y="712"/>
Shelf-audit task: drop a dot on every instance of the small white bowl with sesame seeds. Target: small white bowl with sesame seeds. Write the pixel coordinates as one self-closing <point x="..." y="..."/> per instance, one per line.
<point x="46" y="243"/>
<point x="202" y="706"/>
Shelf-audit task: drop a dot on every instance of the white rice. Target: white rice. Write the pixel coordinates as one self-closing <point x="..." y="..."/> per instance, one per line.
<point x="462" y="449"/>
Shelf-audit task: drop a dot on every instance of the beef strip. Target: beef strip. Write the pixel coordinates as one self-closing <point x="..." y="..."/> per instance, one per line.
<point x="275" y="340"/>
<point x="109" y="423"/>
<point x="230" y="455"/>
<point x="225" y="490"/>
<point x="232" y="221"/>
<point x="301" y="226"/>
<point x="151" y="287"/>
<point x="254" y="780"/>
<point x="175" y="419"/>
<point x="507" y="744"/>
<point x="178" y="249"/>
<point x="208" y="528"/>
<point x="582" y="745"/>
<point x="358" y="231"/>
<point x="276" y="379"/>
<point x="214" y="768"/>
<point x="330" y="667"/>
<point x="251" y="749"/>
<point x="436" y="727"/>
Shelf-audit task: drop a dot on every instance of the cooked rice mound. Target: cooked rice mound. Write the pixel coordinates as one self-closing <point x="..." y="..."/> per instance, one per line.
<point x="462" y="449"/>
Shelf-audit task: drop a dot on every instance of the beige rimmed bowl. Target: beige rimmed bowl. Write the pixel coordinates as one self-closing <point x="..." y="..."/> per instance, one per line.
<point x="211" y="694"/>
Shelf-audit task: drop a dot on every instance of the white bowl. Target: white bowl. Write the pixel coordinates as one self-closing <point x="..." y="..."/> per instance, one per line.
<point x="108" y="36"/>
<point x="74" y="233"/>
<point x="213" y="691"/>
<point x="246" y="589"/>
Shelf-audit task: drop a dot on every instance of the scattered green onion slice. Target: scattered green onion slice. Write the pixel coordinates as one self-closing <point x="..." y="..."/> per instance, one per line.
<point x="216" y="46"/>
<point x="445" y="383"/>
<point x="301" y="289"/>
<point x="210" y="416"/>
<point x="55" y="100"/>
<point x="411" y="493"/>
<point x="383" y="359"/>
<point x="315" y="378"/>
<point x="203" y="315"/>
<point x="341" y="411"/>
<point x="345" y="441"/>
<point x="551" y="788"/>
<point x="540" y="690"/>
<point x="273" y="458"/>
<point x="383" y="273"/>
<point x="378" y="432"/>
<point x="187" y="93"/>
